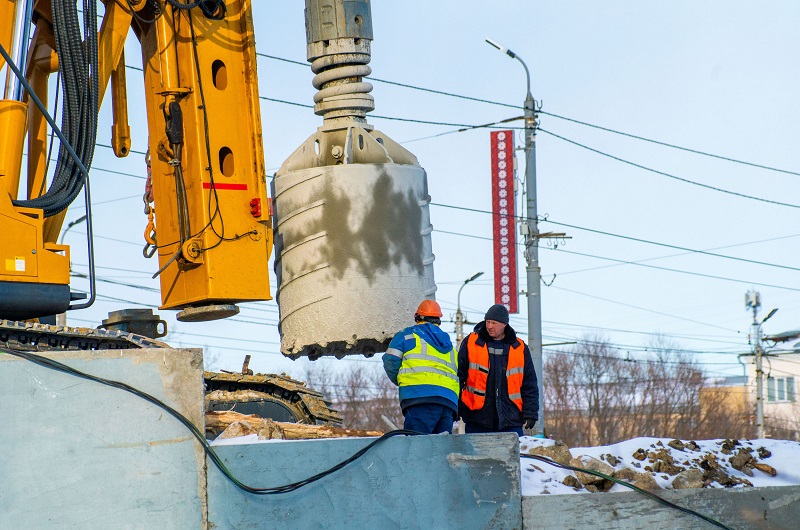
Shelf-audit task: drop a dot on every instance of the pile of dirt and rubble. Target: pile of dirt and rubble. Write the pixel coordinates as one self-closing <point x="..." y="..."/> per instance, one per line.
<point x="675" y="465"/>
<point x="234" y="425"/>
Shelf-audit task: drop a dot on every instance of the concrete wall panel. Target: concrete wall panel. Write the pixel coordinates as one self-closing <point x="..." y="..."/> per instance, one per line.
<point x="78" y="454"/>
<point x="464" y="481"/>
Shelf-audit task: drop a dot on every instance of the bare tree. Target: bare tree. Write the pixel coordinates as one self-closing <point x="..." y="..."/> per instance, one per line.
<point x="596" y="395"/>
<point x="362" y="395"/>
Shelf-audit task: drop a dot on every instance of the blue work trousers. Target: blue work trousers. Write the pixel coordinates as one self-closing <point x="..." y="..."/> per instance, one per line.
<point x="429" y="418"/>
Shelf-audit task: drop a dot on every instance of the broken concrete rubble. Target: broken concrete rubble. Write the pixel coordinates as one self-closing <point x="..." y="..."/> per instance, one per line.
<point x="674" y="464"/>
<point x="688" y="478"/>
<point x="558" y="452"/>
<point x="592" y="464"/>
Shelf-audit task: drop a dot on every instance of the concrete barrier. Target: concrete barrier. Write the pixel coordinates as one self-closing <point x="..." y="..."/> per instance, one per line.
<point x="78" y="454"/>
<point x="459" y="481"/>
<point x="774" y="508"/>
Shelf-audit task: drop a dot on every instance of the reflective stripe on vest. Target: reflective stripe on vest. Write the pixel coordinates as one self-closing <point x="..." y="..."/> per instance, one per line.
<point x="474" y="393"/>
<point x="425" y="365"/>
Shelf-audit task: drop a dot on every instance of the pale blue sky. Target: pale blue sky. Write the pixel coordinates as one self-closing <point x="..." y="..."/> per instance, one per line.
<point x="719" y="77"/>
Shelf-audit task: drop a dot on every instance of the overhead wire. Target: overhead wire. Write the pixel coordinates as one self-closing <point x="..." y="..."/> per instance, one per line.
<point x="636" y="263"/>
<point x="684" y="253"/>
<point x="644" y="309"/>
<point x="629" y="238"/>
<point x="669" y="175"/>
<point x="672" y="146"/>
<point x="553" y="115"/>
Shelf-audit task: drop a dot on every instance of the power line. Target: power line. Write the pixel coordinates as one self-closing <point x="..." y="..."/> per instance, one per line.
<point x="682" y="254"/>
<point x="675" y="247"/>
<point x="129" y="150"/>
<point x="557" y="116"/>
<point x="699" y="274"/>
<point x="463" y="126"/>
<point x="672" y="146"/>
<point x="643" y="361"/>
<point x="627" y="262"/>
<point x="644" y="309"/>
<point x="669" y="175"/>
<point x="611" y="234"/>
<point x="703" y="338"/>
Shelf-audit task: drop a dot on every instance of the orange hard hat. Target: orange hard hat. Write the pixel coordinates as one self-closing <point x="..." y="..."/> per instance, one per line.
<point x="429" y="308"/>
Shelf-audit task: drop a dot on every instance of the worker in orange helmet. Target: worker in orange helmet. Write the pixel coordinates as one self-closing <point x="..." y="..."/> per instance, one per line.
<point x="421" y="360"/>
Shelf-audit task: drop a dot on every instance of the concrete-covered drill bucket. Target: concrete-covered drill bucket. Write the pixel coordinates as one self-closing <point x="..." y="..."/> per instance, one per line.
<point x="352" y="228"/>
<point x="353" y="255"/>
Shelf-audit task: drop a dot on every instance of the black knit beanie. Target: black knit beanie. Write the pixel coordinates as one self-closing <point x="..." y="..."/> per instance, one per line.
<point x="498" y="313"/>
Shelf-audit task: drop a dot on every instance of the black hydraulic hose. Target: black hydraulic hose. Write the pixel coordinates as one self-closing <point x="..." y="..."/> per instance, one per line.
<point x="78" y="60"/>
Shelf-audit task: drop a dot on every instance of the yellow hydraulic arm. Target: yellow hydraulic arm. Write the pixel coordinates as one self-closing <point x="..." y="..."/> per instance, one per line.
<point x="211" y="230"/>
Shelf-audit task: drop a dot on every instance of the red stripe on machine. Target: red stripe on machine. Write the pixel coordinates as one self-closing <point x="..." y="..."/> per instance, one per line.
<point x="223" y="186"/>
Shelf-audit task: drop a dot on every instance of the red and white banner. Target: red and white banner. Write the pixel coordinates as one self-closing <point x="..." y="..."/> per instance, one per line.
<point x="505" y="240"/>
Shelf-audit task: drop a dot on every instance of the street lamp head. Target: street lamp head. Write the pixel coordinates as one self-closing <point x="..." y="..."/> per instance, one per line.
<point x="458" y="303"/>
<point x="770" y="315"/>
<point x="501" y="48"/>
<point x="474" y="276"/>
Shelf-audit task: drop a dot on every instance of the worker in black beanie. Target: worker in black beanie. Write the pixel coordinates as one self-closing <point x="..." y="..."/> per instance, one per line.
<point x="499" y="391"/>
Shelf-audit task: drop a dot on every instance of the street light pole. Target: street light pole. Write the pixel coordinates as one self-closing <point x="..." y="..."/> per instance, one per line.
<point x="530" y="231"/>
<point x="459" y="314"/>
<point x="753" y="301"/>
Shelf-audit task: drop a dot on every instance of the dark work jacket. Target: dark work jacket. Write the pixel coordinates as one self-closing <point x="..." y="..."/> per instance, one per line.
<point x="498" y="411"/>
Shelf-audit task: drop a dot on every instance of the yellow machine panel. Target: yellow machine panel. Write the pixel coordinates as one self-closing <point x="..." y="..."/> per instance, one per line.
<point x="207" y="163"/>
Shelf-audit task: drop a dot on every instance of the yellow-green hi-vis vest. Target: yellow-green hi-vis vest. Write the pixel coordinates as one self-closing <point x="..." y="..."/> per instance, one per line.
<point x="425" y="365"/>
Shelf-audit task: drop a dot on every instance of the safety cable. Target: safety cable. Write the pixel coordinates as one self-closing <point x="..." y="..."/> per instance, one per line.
<point x="199" y="436"/>
<point x="631" y="486"/>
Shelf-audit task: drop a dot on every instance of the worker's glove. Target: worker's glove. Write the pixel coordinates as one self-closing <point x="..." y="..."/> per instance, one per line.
<point x="529" y="423"/>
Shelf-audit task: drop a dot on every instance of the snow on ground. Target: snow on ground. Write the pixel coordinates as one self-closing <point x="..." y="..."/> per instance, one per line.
<point x="541" y="478"/>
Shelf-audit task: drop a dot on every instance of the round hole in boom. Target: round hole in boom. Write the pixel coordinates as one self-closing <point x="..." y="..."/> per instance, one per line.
<point x="226" y="161"/>
<point x="219" y="74"/>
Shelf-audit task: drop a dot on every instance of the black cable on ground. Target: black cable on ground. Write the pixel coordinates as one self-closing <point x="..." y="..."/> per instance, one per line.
<point x="61" y="367"/>
<point x="644" y="492"/>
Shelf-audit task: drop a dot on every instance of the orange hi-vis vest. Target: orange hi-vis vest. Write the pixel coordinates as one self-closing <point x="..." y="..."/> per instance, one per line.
<point x="474" y="393"/>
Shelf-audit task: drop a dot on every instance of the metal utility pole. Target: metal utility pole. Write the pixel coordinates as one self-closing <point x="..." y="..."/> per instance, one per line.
<point x="530" y="231"/>
<point x="459" y="314"/>
<point x="752" y="300"/>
